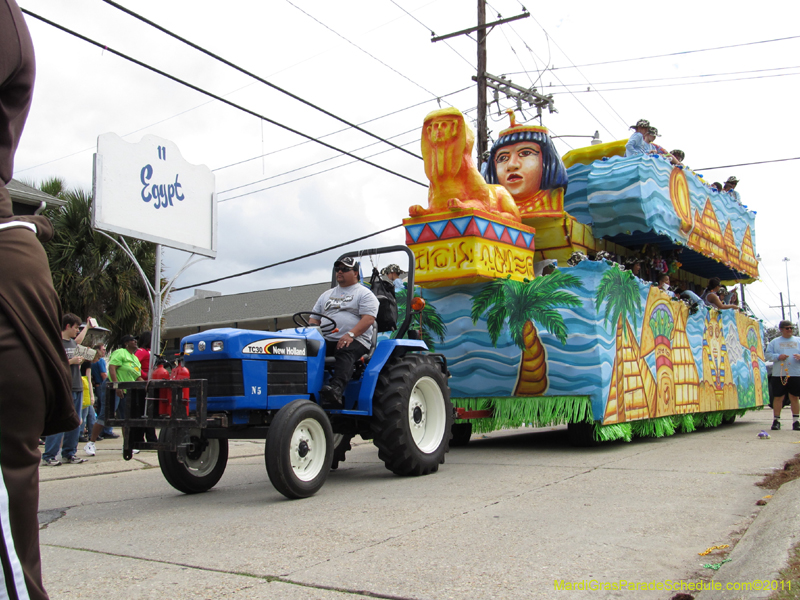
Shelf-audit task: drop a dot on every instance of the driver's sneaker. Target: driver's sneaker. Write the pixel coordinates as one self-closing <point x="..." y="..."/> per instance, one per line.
<point x="796" y="425"/>
<point x="776" y="425"/>
<point x="331" y="396"/>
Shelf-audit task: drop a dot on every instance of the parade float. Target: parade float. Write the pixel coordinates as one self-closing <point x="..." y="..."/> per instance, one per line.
<point x="590" y="344"/>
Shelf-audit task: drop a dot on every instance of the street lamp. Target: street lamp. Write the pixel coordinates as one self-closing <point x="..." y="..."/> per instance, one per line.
<point x="788" y="294"/>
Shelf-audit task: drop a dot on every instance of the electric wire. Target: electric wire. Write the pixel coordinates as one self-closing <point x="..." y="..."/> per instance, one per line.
<point x="215" y="96"/>
<point x="473" y="67"/>
<point x="362" y="50"/>
<point x="288" y="260"/>
<point x="339" y="130"/>
<point x="649" y="87"/>
<point x="244" y="185"/>
<point x="672" y="78"/>
<point x="761" y="162"/>
<point x="624" y="122"/>
<point x="309" y="175"/>
<point x="609" y="62"/>
<point x="251" y="75"/>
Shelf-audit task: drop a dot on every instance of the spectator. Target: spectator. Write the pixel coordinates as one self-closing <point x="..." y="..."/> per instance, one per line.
<point x="784" y="351"/>
<point x="717" y="185"/>
<point x="710" y="296"/>
<point x="71" y="336"/>
<point x="730" y="189"/>
<point x="35" y="378"/>
<point x="88" y="416"/>
<point x="99" y="377"/>
<point x="679" y="156"/>
<point x="143" y="353"/>
<point x="123" y="366"/>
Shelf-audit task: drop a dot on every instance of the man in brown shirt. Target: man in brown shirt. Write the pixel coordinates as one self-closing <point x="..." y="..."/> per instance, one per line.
<point x="35" y="382"/>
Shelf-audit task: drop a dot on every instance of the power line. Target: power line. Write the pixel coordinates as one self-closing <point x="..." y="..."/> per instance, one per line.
<point x="215" y="96"/>
<point x="648" y="87"/>
<point x="289" y="260"/>
<point x="584" y="76"/>
<point x="762" y="162"/>
<point x="362" y="50"/>
<point x="433" y="34"/>
<point x="306" y="176"/>
<point x="238" y="187"/>
<point x="674" y="78"/>
<point x="339" y="130"/>
<point x="609" y="62"/>
<point x="252" y="75"/>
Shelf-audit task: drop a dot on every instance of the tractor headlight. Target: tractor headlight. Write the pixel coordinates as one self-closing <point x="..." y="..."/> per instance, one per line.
<point x="217" y="346"/>
<point x="188" y="348"/>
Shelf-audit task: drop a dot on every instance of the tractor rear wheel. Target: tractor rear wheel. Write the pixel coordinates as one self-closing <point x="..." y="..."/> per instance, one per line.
<point x="203" y="468"/>
<point x="299" y="449"/>
<point x="412" y="415"/>
<point x="341" y="444"/>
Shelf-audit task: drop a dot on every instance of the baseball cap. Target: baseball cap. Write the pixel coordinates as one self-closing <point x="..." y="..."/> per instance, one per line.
<point x="347" y="261"/>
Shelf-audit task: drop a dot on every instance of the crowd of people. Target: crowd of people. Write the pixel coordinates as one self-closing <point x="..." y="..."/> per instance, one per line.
<point x="130" y="362"/>
<point x="642" y="141"/>
<point x="662" y="271"/>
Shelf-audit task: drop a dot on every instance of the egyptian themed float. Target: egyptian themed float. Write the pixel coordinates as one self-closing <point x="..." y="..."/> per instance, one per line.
<point x="589" y="344"/>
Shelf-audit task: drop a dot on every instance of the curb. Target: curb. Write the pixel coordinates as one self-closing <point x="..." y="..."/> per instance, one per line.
<point x="763" y="551"/>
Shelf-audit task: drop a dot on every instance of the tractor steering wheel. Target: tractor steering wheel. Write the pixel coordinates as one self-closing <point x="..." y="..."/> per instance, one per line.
<point x="326" y="326"/>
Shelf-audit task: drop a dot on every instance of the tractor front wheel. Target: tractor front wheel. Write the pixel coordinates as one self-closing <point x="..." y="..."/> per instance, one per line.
<point x="299" y="449"/>
<point x="203" y="468"/>
<point x="412" y="415"/>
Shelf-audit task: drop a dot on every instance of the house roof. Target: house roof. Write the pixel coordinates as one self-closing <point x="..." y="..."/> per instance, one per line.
<point x="207" y="308"/>
<point x="25" y="194"/>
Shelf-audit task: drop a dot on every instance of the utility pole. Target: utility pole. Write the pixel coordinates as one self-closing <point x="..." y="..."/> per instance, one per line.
<point x="483" y="134"/>
<point x="788" y="294"/>
<point x="783" y="312"/>
<point x="482" y="30"/>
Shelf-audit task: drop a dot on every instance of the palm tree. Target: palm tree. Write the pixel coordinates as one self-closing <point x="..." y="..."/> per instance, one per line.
<point x="91" y="274"/>
<point x="432" y="322"/>
<point x="631" y="377"/>
<point x="622" y="292"/>
<point x="519" y="304"/>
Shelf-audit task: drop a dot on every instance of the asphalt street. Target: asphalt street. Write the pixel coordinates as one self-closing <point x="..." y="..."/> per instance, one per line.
<point x="515" y="514"/>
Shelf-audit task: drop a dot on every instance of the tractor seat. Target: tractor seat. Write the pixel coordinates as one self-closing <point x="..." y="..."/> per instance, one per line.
<point x="330" y="361"/>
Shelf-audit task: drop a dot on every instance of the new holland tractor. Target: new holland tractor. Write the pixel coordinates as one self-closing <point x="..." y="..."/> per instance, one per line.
<point x="247" y="384"/>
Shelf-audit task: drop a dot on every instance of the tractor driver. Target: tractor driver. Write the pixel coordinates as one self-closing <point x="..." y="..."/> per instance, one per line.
<point x="354" y="308"/>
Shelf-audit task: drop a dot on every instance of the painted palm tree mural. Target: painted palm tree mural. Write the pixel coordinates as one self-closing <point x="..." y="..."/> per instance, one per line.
<point x="432" y="322"/>
<point x="519" y="304"/>
<point x="631" y="380"/>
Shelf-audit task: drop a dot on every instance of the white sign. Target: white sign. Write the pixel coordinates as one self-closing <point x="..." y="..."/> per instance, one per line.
<point x="149" y="192"/>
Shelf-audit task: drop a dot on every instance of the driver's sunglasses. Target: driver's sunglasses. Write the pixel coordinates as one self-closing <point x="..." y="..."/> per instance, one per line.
<point x="342" y="269"/>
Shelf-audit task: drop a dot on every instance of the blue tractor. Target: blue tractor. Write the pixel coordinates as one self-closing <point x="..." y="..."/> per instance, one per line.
<point x="249" y="384"/>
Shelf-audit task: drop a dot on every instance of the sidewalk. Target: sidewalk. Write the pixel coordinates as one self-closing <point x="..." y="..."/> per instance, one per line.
<point x="109" y="459"/>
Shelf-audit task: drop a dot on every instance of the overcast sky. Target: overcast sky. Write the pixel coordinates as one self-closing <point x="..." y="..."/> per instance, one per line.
<point x="362" y="60"/>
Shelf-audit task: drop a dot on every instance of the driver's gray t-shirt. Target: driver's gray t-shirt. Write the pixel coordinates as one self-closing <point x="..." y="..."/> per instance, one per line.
<point x="346" y="306"/>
